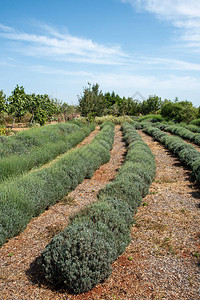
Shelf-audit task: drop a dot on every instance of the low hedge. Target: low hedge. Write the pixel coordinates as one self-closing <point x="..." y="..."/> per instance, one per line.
<point x="21" y="142"/>
<point x="109" y="118"/>
<point x="191" y="127"/>
<point x="186" y="153"/>
<point x="27" y="196"/>
<point x="80" y="256"/>
<point x="181" y="131"/>
<point x="15" y="164"/>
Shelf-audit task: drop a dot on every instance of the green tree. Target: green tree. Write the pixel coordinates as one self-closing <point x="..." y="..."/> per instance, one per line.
<point x="42" y="108"/>
<point x="198" y="114"/>
<point x="17" y="103"/>
<point x="182" y="111"/>
<point x="151" y="105"/>
<point x="91" y="103"/>
<point x="3" y="106"/>
<point x="67" y="110"/>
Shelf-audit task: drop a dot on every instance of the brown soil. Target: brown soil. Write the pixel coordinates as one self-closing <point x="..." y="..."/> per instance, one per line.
<point x="162" y="260"/>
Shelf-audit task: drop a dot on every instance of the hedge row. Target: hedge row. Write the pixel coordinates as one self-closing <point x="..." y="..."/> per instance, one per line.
<point x="180" y="131"/>
<point x="186" y="153"/>
<point x="116" y="120"/>
<point x="27" y="196"/>
<point x="25" y="140"/>
<point x="80" y="256"/>
<point x="191" y="127"/>
<point x="15" y="164"/>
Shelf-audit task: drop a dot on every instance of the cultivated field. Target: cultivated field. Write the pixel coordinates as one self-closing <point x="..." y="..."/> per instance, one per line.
<point x="114" y="215"/>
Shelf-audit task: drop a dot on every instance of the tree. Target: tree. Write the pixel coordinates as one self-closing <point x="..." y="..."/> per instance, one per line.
<point x="3" y="106"/>
<point x="151" y="105"/>
<point x="198" y="114"/>
<point x="41" y="108"/>
<point x="67" y="110"/>
<point x="182" y="111"/>
<point x="91" y="103"/>
<point x="17" y="103"/>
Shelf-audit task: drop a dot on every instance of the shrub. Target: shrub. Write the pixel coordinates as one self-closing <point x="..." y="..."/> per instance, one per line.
<point x="14" y="164"/>
<point x="80" y="256"/>
<point x="108" y="213"/>
<point x="186" y="153"/>
<point x="152" y="118"/>
<point x="4" y="131"/>
<point x="195" y="122"/>
<point x="115" y="120"/>
<point x="181" y="131"/>
<point x="26" y="196"/>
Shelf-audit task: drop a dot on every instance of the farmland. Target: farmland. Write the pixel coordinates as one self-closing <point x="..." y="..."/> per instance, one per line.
<point x="157" y="256"/>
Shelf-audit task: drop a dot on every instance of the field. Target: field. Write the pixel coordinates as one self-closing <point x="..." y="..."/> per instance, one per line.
<point x="122" y="208"/>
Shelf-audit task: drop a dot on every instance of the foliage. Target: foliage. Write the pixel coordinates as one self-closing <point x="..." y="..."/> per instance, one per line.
<point x="22" y="152"/>
<point x="81" y="255"/>
<point x="186" y="153"/>
<point x="91" y="103"/>
<point x="67" y="111"/>
<point x="151" y="105"/>
<point x="4" y="131"/>
<point x="41" y="107"/>
<point x="113" y="119"/>
<point x="195" y="122"/>
<point x="3" y="106"/>
<point x="181" y="131"/>
<point x="17" y="105"/>
<point x="27" y="195"/>
<point x="182" y="111"/>
<point x="151" y="117"/>
<point x="193" y="128"/>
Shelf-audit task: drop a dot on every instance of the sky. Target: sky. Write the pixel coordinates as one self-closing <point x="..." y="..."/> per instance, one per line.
<point x="127" y="46"/>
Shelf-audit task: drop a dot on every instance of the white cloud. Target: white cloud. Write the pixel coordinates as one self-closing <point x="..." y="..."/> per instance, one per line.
<point x="55" y="71"/>
<point x="169" y="86"/>
<point x="63" y="46"/>
<point x="124" y="80"/>
<point x="183" y="14"/>
<point x="168" y="64"/>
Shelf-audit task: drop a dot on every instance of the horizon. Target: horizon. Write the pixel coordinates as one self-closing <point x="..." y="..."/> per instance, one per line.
<point x="126" y="46"/>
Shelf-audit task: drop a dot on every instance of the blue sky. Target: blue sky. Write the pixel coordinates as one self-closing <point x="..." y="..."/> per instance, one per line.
<point x="58" y="46"/>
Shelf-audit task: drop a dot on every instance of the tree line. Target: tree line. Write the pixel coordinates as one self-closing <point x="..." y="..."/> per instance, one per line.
<point x="94" y="103"/>
<point x="41" y="108"/>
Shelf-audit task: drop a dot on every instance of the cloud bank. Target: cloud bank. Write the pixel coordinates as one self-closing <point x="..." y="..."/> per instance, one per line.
<point x="63" y="47"/>
<point x="182" y="14"/>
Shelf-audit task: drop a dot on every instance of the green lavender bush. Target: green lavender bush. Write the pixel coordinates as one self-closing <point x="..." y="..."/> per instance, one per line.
<point x="23" y="141"/>
<point x="183" y="132"/>
<point x="28" y="195"/>
<point x="81" y="255"/>
<point x="15" y="164"/>
<point x="186" y="153"/>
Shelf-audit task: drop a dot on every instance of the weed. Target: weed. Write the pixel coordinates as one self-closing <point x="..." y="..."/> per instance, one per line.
<point x="130" y="258"/>
<point x="197" y="255"/>
<point x="67" y="200"/>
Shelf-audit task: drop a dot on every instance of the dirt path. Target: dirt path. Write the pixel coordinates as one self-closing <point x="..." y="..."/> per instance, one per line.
<point x="21" y="251"/>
